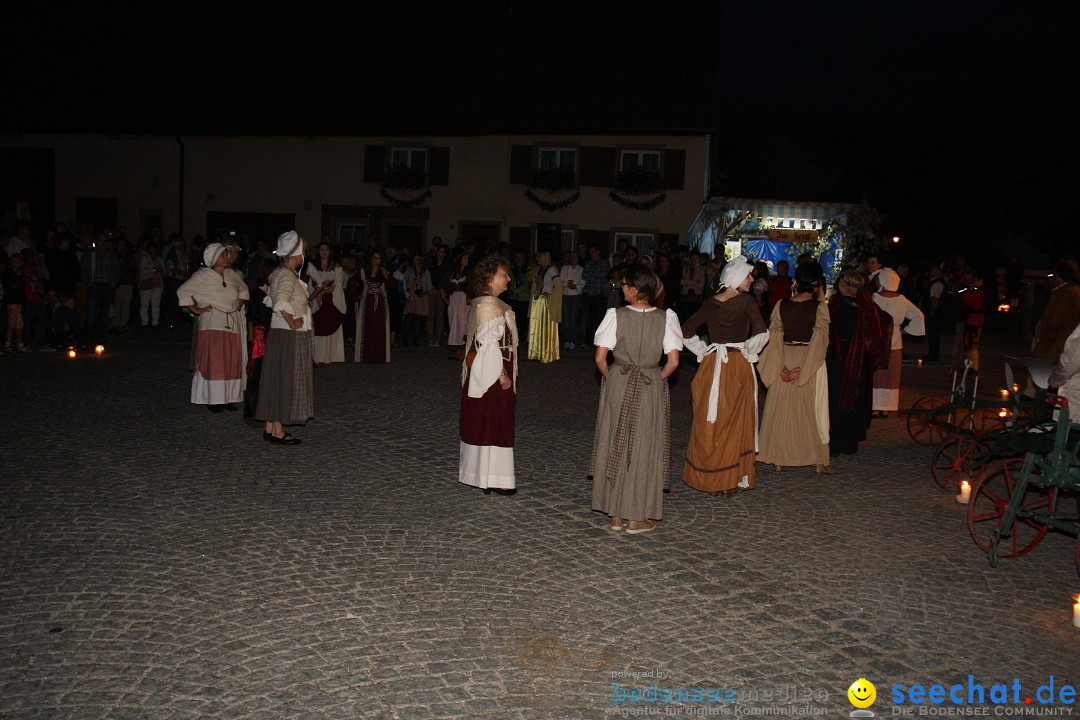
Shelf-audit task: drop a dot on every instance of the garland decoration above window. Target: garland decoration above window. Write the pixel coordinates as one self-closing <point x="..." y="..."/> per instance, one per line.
<point x="398" y="202"/>
<point x="644" y="205"/>
<point x="549" y="206"/>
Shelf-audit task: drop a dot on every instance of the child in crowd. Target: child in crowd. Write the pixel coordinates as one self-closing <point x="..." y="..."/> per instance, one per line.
<point x="66" y="323"/>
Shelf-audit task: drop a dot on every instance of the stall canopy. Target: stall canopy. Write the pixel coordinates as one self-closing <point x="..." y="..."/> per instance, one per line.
<point x="766" y="229"/>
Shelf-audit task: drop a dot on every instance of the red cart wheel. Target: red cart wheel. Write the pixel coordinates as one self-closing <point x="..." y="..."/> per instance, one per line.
<point x="952" y="462"/>
<point x="989" y="499"/>
<point x="984" y="420"/>
<point x="923" y="418"/>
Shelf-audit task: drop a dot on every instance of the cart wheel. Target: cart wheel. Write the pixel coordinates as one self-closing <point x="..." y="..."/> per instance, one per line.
<point x="989" y="499"/>
<point x="984" y="420"/>
<point x="923" y="418"/>
<point x="952" y="462"/>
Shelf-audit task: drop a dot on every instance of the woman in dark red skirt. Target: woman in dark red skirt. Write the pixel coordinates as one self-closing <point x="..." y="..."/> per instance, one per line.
<point x="368" y="290"/>
<point x="488" y="383"/>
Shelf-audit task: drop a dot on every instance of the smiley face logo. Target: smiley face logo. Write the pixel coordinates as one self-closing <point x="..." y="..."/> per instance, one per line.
<point x="862" y="693"/>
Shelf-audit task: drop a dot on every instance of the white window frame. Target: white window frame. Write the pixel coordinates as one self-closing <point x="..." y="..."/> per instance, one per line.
<point x="639" y="155"/>
<point x="353" y="227"/>
<point x="643" y="242"/>
<point x="559" y="157"/>
<point x="410" y="151"/>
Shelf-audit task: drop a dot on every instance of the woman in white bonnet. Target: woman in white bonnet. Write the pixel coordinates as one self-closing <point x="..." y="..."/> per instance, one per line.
<point x="285" y="385"/>
<point x="906" y="317"/>
<point x="723" y="436"/>
<point x="215" y="295"/>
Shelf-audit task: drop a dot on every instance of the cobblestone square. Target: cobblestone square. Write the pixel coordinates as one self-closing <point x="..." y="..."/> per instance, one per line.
<point x="163" y="562"/>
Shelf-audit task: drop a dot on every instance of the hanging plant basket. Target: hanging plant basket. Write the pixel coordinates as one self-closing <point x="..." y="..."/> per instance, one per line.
<point x="401" y="177"/>
<point x="560" y="178"/>
<point x="637" y="180"/>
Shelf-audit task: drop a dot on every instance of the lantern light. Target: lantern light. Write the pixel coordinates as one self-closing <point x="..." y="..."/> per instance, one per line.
<point x="71" y="352"/>
<point x="99" y="349"/>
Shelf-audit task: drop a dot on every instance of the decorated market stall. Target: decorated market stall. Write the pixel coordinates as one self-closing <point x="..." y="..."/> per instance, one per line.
<point x="775" y="230"/>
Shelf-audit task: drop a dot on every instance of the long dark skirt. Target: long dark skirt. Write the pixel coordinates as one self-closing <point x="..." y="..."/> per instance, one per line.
<point x="847" y="428"/>
<point x="285" y="387"/>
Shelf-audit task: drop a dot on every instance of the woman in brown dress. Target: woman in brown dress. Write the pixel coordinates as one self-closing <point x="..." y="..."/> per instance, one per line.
<point x="795" y="424"/>
<point x="723" y="436"/>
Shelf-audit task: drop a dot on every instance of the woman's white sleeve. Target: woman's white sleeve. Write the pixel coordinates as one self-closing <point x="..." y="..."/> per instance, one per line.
<point x="673" y="339"/>
<point x="607" y="332"/>
<point x="916" y="321"/>
<point x="487" y="366"/>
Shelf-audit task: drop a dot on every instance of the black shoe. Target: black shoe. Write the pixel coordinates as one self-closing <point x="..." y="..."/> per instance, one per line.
<point x="500" y="491"/>
<point x="216" y="408"/>
<point x="286" y="440"/>
<point x="267" y="436"/>
<point x="231" y="408"/>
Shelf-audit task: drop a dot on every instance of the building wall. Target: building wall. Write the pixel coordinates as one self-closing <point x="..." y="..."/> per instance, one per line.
<point x="309" y="176"/>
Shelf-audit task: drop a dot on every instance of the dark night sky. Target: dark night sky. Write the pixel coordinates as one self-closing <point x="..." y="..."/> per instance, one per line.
<point x="958" y="120"/>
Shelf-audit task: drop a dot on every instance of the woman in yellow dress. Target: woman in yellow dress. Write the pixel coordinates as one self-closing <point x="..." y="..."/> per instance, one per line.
<point x="545" y="310"/>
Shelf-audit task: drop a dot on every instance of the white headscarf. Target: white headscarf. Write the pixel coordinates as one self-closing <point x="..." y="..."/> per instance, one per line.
<point x="289" y="244"/>
<point x="211" y="254"/>
<point x="735" y="272"/>
<point x="888" y="279"/>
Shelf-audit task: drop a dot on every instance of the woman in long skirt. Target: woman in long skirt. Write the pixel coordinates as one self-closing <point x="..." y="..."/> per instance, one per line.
<point x="489" y="383"/>
<point x="328" y="279"/>
<point x="457" y="281"/>
<point x="904" y="314"/>
<point x="859" y="336"/>
<point x="286" y="396"/>
<point x="368" y="289"/>
<point x="723" y="435"/>
<point x="545" y="310"/>
<point x="216" y="295"/>
<point x="795" y="423"/>
<point x="631" y="458"/>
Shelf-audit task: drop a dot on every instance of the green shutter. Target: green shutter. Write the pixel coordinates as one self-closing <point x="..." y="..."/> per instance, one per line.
<point x="374" y="163"/>
<point x="521" y="164"/>
<point x="439" y="165"/>
<point x="674" y="169"/>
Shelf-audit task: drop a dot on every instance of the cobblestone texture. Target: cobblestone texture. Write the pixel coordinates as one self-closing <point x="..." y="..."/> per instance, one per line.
<point x="163" y="562"/>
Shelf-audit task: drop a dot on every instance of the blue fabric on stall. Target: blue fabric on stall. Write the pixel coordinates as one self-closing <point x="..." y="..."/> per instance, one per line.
<point x="760" y="248"/>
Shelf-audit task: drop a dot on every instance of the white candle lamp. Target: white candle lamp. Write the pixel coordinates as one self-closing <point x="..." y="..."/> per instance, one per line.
<point x="1076" y="611"/>
<point x="965" y="493"/>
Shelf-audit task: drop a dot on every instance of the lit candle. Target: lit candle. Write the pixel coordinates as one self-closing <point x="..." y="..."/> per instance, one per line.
<point x="965" y="492"/>
<point x="99" y="349"/>
<point x="1016" y="387"/>
<point x="919" y="362"/>
<point x="1076" y="611"/>
<point x="71" y="352"/>
<point x="1004" y="394"/>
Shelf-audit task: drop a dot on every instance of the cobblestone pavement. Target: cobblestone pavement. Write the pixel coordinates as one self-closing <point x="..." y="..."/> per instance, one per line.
<point x="162" y="562"/>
